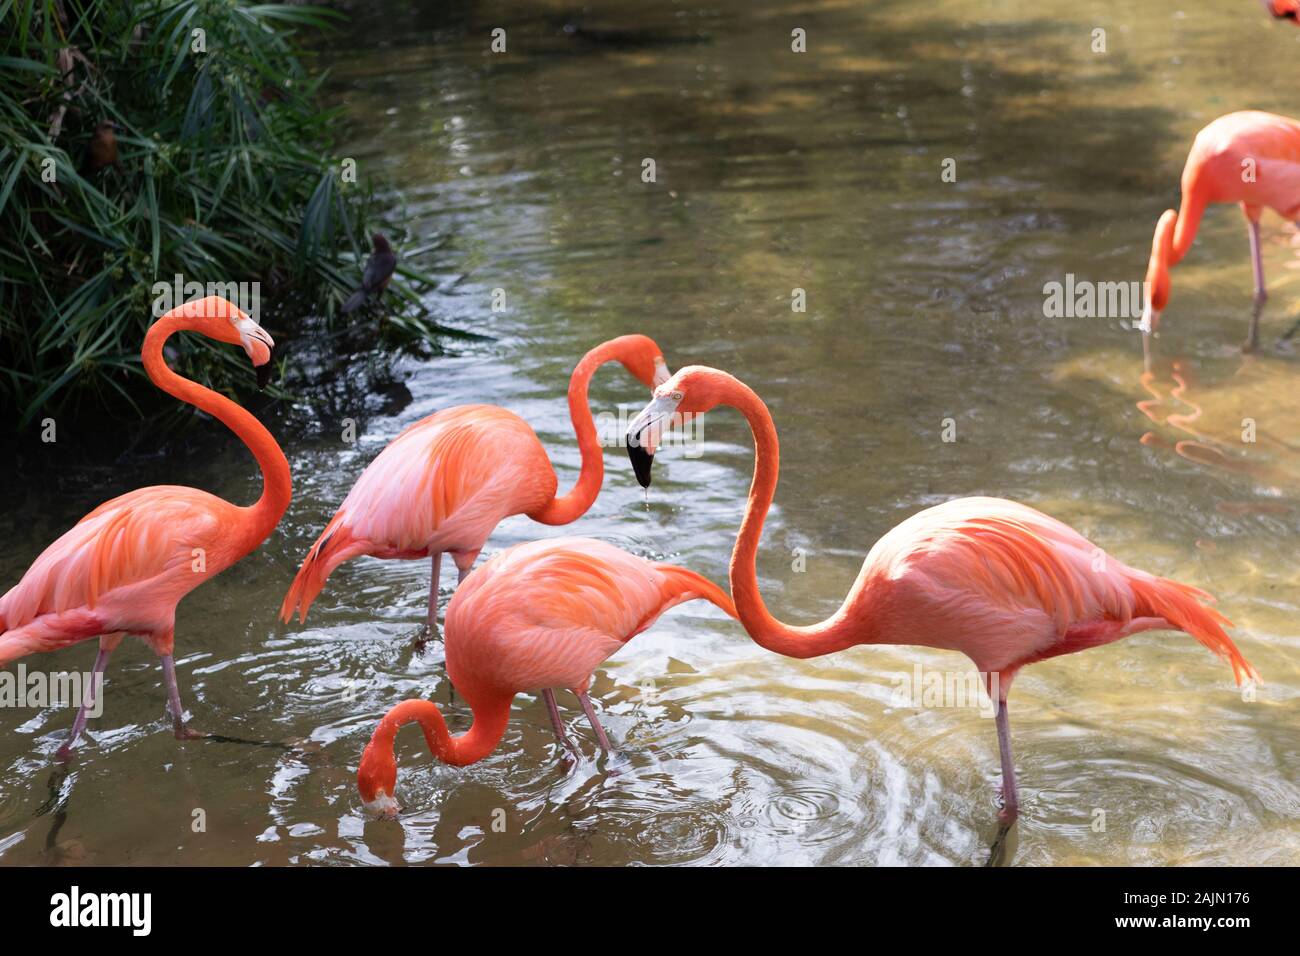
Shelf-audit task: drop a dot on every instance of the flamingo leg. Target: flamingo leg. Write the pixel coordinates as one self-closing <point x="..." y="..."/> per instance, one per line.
<point x="1010" y="794"/>
<point x="548" y="695"/>
<point x="595" y="724"/>
<point x="433" y="592"/>
<point x="88" y="701"/>
<point x="174" y="701"/>
<point x="1261" y="293"/>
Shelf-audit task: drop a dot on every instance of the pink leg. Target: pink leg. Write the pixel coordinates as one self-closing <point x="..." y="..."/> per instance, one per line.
<point x="79" y="722"/>
<point x="433" y="592"/>
<point x="174" y="700"/>
<point x="548" y="695"/>
<point x="1261" y="293"/>
<point x="1010" y="795"/>
<point x="595" y="724"/>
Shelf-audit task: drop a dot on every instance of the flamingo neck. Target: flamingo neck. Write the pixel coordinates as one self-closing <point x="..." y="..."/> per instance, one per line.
<point x="276" y="485"/>
<point x="1189" y="215"/>
<point x="567" y="508"/>
<point x="833" y="634"/>
<point x="1175" y="233"/>
<point x="484" y="734"/>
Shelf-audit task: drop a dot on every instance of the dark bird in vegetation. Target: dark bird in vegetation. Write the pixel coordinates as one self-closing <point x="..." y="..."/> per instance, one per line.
<point x="103" y="147"/>
<point x="616" y="39"/>
<point x="379" y="269"/>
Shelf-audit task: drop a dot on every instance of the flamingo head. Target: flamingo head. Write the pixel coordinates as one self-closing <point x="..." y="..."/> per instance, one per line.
<point x="1157" y="278"/>
<point x="641" y="356"/>
<point x="224" y="321"/>
<point x="1284" y="9"/>
<point x="693" y="390"/>
<point x="377" y="779"/>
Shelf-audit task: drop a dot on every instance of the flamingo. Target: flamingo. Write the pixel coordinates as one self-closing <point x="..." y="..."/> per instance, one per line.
<point x="1284" y="9"/>
<point x="1002" y="583"/>
<point x="125" y="566"/>
<point x="543" y="614"/>
<point x="445" y="482"/>
<point x="1248" y="157"/>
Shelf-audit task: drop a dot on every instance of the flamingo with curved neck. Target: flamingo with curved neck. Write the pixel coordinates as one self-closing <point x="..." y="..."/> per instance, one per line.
<point x="125" y="566"/>
<point x="541" y="615"/>
<point x="1251" y="158"/>
<point x="1002" y="583"/>
<point x="448" y="480"/>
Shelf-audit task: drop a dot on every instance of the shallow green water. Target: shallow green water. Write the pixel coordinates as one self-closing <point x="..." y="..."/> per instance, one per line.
<point x="775" y="171"/>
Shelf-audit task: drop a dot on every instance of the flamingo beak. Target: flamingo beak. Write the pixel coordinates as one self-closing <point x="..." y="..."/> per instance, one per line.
<point x="642" y="461"/>
<point x="643" y="436"/>
<point x="1150" y="320"/>
<point x="260" y="348"/>
<point x="266" y="369"/>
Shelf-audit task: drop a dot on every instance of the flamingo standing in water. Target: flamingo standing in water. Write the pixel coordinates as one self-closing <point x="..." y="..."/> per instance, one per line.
<point x="125" y="566"/>
<point x="1252" y="158"/>
<point x="448" y="480"/>
<point x="539" y="615"/>
<point x="1002" y="583"/>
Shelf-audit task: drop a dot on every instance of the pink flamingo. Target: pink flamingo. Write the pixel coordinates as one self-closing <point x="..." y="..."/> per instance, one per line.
<point x="1002" y="583"/>
<point x="125" y="566"/>
<point x="448" y="480"/>
<point x="1284" y="9"/>
<point x="1252" y="158"/>
<point x="539" y="615"/>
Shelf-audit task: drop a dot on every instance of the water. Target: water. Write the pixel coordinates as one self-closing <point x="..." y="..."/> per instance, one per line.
<point x="775" y="171"/>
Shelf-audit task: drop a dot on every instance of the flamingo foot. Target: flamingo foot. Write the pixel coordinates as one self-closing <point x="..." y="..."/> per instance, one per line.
<point x="184" y="732"/>
<point x="1003" y="849"/>
<point x="64" y="753"/>
<point x="174" y="701"/>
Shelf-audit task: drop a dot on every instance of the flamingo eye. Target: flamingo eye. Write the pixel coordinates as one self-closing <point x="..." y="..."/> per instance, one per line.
<point x="678" y="396"/>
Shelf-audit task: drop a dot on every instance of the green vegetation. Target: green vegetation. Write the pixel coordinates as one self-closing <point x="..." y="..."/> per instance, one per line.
<point x="222" y="175"/>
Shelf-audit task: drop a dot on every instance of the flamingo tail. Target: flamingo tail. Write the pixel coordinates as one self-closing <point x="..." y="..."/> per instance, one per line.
<point x="48" y="632"/>
<point x="334" y="546"/>
<point x="690" y="585"/>
<point x="1183" y="607"/>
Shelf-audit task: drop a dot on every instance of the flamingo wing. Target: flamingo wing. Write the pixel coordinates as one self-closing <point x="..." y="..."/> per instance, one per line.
<point x="476" y="458"/>
<point x="1009" y="585"/>
<point x="443" y="484"/>
<point x="137" y="547"/>
<point x="1249" y="156"/>
<point x="547" y="613"/>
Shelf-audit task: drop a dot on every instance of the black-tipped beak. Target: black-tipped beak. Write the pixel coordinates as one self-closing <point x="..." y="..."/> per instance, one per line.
<point x="266" y="370"/>
<point x="643" y="434"/>
<point x="641" y="459"/>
